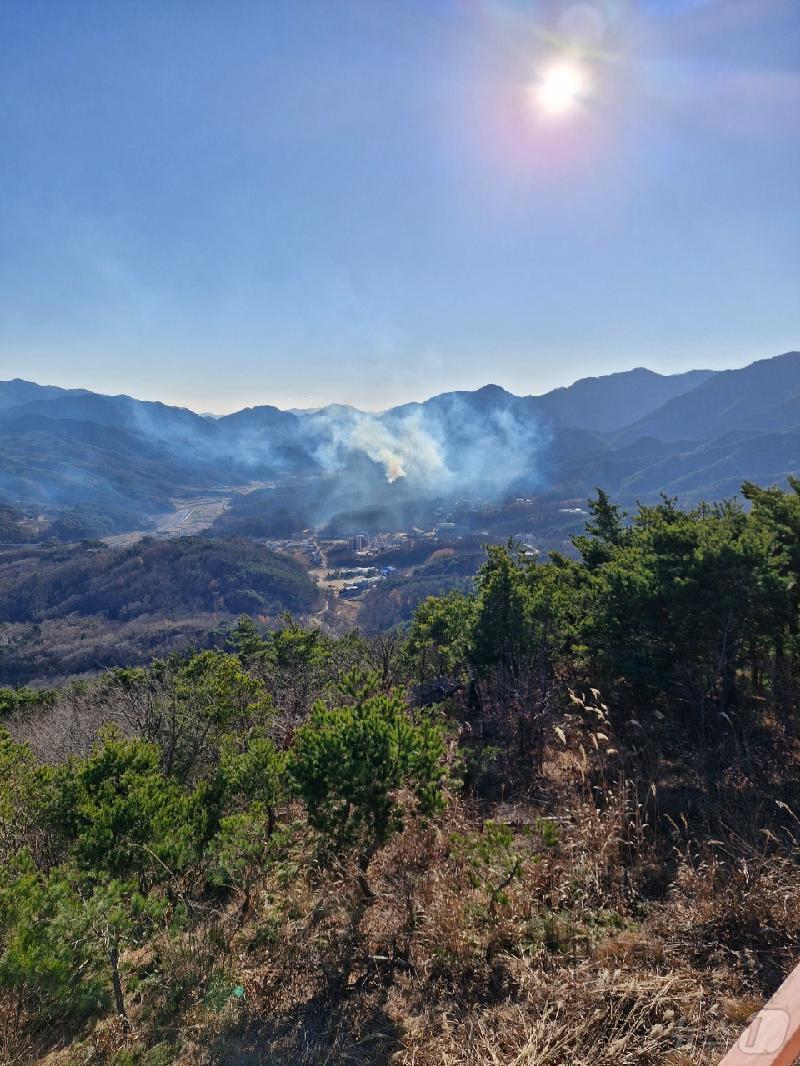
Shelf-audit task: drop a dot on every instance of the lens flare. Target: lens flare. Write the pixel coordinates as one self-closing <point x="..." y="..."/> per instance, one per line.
<point x="560" y="88"/>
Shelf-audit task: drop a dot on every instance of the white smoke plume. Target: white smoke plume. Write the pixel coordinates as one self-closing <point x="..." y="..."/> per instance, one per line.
<point x="405" y="448"/>
<point x="450" y="445"/>
<point x="406" y="451"/>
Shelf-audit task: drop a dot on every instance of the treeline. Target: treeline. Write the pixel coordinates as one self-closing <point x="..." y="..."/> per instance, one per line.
<point x="292" y="845"/>
<point x="685" y="612"/>
<point x="180" y="576"/>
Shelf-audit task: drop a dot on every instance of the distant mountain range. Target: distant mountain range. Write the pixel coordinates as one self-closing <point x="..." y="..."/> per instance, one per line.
<point x="636" y="433"/>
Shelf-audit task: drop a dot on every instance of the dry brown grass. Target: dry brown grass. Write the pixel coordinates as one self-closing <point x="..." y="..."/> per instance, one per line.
<point x="552" y="979"/>
<point x="580" y="1016"/>
<point x="630" y="940"/>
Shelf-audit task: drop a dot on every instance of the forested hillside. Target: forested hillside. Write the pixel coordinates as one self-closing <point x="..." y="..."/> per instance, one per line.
<point x="177" y="576"/>
<point x="116" y="463"/>
<point x="74" y="609"/>
<point x="556" y="821"/>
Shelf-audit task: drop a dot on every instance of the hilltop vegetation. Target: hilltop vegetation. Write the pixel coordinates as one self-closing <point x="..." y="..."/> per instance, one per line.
<point x="67" y="609"/>
<point x="555" y="822"/>
<point x="82" y="522"/>
<point x="178" y="576"/>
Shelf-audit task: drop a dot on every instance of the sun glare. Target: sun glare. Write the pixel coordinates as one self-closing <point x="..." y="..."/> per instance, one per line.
<point x="560" y="88"/>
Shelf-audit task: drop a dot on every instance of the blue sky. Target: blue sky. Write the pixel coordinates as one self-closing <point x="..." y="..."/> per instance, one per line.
<point x="303" y="201"/>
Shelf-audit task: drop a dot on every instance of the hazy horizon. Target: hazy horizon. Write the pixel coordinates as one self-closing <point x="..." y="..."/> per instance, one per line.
<point x="256" y="402"/>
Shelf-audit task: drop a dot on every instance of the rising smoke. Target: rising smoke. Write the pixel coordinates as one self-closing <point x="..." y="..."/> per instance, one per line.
<point x="460" y="442"/>
<point x="455" y="445"/>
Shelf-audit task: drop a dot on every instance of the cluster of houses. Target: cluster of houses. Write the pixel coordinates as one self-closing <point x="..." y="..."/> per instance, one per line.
<point x="367" y="544"/>
<point x="364" y="578"/>
<point x="308" y="546"/>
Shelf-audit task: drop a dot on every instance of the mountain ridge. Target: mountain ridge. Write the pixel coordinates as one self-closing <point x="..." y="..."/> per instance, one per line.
<point x="633" y="432"/>
<point x="731" y="399"/>
<point x="673" y="383"/>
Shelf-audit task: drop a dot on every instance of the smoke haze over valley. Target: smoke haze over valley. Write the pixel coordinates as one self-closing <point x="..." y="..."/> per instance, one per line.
<point x="638" y="432"/>
<point x="346" y="516"/>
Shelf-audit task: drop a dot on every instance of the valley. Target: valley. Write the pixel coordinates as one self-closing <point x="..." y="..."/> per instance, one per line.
<point x="187" y="518"/>
<point x="377" y="512"/>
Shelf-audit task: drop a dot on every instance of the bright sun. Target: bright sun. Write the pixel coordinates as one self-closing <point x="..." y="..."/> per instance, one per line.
<point x="560" y="87"/>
